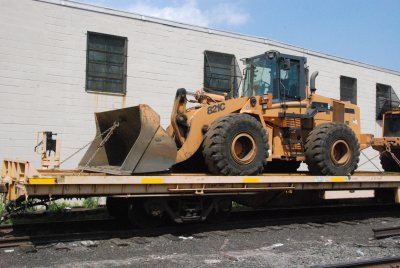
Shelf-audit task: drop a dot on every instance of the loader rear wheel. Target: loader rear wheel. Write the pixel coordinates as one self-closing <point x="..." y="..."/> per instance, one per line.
<point x="236" y="144"/>
<point x="387" y="161"/>
<point x="332" y="149"/>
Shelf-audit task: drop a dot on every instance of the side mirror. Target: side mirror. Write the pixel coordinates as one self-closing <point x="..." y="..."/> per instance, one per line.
<point x="312" y="82"/>
<point x="271" y="54"/>
<point x="286" y="64"/>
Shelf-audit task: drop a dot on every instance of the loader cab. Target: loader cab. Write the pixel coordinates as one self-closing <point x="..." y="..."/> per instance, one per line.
<point x="391" y="124"/>
<point x="272" y="72"/>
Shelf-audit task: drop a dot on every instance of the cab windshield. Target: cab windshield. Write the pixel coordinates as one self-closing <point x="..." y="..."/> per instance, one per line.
<point x="261" y="72"/>
<point x="283" y="77"/>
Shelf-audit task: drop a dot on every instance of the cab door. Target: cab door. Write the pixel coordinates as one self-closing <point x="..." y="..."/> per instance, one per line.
<point x="292" y="86"/>
<point x="292" y="102"/>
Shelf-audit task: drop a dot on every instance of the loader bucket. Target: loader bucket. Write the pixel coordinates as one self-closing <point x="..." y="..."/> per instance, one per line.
<point x="138" y="145"/>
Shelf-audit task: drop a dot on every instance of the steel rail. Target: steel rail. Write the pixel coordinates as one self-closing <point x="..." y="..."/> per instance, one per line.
<point x="380" y="233"/>
<point x="388" y="262"/>
<point x="34" y="226"/>
<point x="238" y="220"/>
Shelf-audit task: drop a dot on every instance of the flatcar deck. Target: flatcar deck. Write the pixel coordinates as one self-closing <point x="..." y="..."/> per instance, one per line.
<point x="20" y="179"/>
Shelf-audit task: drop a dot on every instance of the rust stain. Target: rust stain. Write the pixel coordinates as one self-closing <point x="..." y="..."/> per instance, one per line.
<point x="123" y="103"/>
<point x="96" y="102"/>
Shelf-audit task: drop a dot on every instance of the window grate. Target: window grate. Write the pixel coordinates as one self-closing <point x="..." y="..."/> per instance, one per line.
<point x="348" y="89"/>
<point x="386" y="100"/>
<point x="106" y="63"/>
<point x="221" y="73"/>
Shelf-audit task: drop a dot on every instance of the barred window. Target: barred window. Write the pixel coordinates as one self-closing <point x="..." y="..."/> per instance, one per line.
<point x="348" y="89"/>
<point x="386" y="100"/>
<point x="221" y="73"/>
<point x="106" y="63"/>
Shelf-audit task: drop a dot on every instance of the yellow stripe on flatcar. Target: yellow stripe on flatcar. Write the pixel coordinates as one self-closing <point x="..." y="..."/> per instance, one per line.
<point x="338" y="179"/>
<point x="152" y="180"/>
<point x="251" y="180"/>
<point x="42" y="181"/>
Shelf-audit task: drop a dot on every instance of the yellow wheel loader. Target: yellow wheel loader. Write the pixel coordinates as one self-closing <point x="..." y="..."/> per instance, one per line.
<point x="277" y="123"/>
<point x="389" y="145"/>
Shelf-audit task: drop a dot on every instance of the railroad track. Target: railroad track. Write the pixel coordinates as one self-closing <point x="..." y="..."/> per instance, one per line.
<point x="106" y="229"/>
<point x="56" y="225"/>
<point x="386" y="232"/>
<point x="389" y="262"/>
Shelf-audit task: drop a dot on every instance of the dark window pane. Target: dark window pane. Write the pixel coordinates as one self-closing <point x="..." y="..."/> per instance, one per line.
<point x="106" y="63"/>
<point x="116" y="71"/>
<point x="116" y="45"/>
<point x="221" y="73"/>
<point x="392" y="126"/>
<point x="114" y="85"/>
<point x="348" y="89"/>
<point x="96" y="83"/>
<point x="97" y="69"/>
<point x="113" y="58"/>
<point x="97" y="42"/>
<point x="97" y="56"/>
<point x="386" y="100"/>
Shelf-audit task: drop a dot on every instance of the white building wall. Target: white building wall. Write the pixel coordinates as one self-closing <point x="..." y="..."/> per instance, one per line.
<point x="43" y="61"/>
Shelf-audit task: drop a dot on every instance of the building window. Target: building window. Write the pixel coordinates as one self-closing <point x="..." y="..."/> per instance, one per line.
<point x="221" y="73"/>
<point x="386" y="100"/>
<point x="106" y="63"/>
<point x="348" y="89"/>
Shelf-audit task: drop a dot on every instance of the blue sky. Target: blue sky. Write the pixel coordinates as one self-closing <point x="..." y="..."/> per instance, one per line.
<point x="362" y="30"/>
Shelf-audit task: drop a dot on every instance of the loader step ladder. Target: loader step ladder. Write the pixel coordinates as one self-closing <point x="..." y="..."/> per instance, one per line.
<point x="291" y="143"/>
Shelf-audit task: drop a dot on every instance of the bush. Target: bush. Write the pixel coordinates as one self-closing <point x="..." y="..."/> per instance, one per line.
<point x="91" y="202"/>
<point x="56" y="207"/>
<point x="2" y="208"/>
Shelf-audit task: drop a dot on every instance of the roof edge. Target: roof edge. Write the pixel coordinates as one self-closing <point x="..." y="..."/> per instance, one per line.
<point x="131" y="15"/>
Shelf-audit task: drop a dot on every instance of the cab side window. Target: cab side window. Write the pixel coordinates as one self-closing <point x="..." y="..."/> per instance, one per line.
<point x="290" y="81"/>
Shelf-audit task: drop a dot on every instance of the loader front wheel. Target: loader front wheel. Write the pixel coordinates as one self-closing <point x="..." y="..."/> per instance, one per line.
<point x="332" y="149"/>
<point x="236" y="144"/>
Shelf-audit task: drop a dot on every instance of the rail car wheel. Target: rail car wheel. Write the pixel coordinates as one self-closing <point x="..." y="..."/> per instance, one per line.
<point x="221" y="211"/>
<point x="332" y="149"/>
<point x="387" y="161"/>
<point x="146" y="213"/>
<point x="236" y="144"/>
<point x="282" y="166"/>
<point x="118" y="208"/>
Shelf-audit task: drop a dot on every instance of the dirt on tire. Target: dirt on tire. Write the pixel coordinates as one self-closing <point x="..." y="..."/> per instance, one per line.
<point x="319" y="146"/>
<point x="217" y="144"/>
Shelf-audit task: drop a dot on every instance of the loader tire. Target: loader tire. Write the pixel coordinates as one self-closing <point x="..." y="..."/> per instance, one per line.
<point x="387" y="161"/>
<point x="332" y="149"/>
<point x="236" y="144"/>
<point x="282" y="166"/>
